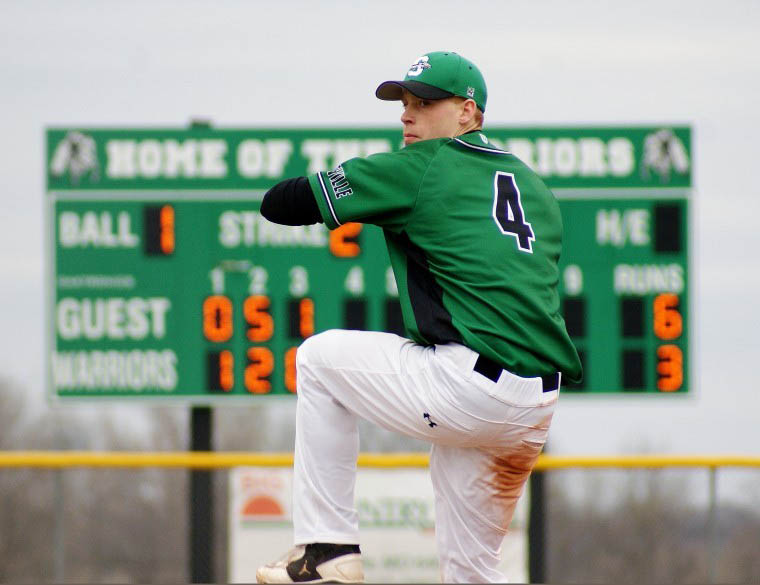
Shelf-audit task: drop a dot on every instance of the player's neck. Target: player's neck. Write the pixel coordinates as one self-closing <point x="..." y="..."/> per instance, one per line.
<point x="469" y="128"/>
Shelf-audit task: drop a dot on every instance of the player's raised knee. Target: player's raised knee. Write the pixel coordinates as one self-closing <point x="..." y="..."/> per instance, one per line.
<point x="317" y="348"/>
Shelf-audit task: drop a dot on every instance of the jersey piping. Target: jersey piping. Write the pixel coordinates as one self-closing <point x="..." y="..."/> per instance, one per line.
<point x="326" y="195"/>
<point x="482" y="148"/>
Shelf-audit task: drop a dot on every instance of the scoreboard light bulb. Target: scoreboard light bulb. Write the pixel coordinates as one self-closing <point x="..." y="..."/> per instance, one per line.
<point x="344" y="241"/>
<point x="290" y="369"/>
<point x="261" y="364"/>
<point x="306" y="310"/>
<point x="217" y="318"/>
<point x="256" y="313"/>
<point x="668" y="323"/>
<point x="669" y="368"/>
<point x="226" y="370"/>
<point x="167" y="229"/>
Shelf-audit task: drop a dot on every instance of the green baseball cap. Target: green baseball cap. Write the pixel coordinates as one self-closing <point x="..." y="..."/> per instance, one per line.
<point x="439" y="75"/>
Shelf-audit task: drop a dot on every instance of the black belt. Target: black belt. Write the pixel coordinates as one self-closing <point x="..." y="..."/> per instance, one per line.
<point x="491" y="370"/>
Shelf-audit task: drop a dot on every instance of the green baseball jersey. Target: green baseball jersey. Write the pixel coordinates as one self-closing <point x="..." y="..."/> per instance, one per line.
<point x="474" y="237"/>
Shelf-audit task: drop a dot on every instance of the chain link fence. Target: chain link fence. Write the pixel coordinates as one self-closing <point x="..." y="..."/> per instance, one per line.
<point x="115" y="521"/>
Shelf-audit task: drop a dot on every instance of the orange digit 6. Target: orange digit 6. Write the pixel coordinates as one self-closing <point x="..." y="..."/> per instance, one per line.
<point x="217" y="318"/>
<point x="290" y="369"/>
<point x="258" y="371"/>
<point x="669" y="368"/>
<point x="255" y="310"/>
<point x="668" y="323"/>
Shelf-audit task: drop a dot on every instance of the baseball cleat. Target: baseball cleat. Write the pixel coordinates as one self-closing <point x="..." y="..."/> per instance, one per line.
<point x="315" y="563"/>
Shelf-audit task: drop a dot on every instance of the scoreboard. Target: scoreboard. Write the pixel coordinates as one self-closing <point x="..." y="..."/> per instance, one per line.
<point x="164" y="281"/>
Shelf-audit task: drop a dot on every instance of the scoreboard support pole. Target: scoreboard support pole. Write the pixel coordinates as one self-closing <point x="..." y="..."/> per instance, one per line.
<point x="201" y="489"/>
<point x="537" y="528"/>
<point x="201" y="500"/>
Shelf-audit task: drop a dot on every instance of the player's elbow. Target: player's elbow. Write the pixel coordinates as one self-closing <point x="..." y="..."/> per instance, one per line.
<point x="272" y="207"/>
<point x="290" y="202"/>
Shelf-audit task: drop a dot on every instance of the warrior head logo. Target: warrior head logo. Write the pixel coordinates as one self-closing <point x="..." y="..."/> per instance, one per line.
<point x="419" y="66"/>
<point x="76" y="154"/>
<point x="663" y="153"/>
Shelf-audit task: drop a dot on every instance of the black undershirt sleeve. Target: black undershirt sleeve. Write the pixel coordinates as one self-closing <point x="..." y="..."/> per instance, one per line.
<point x="291" y="202"/>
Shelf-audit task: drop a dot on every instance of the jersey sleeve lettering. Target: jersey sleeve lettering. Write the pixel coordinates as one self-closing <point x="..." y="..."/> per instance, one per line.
<point x="381" y="189"/>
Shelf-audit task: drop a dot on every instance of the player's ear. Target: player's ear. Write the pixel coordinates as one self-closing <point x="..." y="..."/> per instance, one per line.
<point x="467" y="113"/>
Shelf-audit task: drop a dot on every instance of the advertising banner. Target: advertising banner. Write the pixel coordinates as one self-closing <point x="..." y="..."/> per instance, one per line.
<point x="396" y="518"/>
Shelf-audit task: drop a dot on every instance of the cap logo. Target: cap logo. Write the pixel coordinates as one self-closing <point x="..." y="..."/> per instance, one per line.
<point x="470" y="92"/>
<point x="419" y="66"/>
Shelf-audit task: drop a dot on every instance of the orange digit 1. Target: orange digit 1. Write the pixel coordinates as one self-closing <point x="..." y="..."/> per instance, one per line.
<point x="344" y="241"/>
<point x="166" y="220"/>
<point x="290" y="369"/>
<point x="669" y="368"/>
<point x="226" y="370"/>
<point x="306" y="317"/>
<point x="255" y="310"/>
<point x="258" y="370"/>
<point x="217" y="318"/>
<point x="668" y="323"/>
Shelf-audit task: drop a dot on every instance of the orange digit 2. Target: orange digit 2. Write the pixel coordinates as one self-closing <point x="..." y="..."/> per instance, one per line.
<point x="259" y="369"/>
<point x="290" y="369"/>
<point x="344" y="241"/>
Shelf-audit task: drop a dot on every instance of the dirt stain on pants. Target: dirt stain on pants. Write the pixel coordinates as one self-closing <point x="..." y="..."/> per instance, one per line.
<point x="508" y="474"/>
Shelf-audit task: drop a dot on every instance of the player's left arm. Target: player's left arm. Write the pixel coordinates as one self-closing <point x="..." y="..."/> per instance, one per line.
<point x="379" y="189"/>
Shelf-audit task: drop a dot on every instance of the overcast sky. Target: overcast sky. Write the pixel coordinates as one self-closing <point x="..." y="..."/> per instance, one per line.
<point x="134" y="63"/>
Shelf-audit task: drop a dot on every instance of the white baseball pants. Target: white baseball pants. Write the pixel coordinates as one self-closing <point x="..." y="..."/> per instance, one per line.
<point x="486" y="437"/>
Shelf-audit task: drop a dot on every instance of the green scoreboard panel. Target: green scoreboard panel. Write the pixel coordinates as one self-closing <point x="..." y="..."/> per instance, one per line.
<point x="164" y="281"/>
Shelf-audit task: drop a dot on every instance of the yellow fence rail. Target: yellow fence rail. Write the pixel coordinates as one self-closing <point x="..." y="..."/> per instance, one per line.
<point x="217" y="460"/>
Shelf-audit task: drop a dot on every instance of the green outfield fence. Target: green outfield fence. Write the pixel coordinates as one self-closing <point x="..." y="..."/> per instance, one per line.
<point x="62" y="460"/>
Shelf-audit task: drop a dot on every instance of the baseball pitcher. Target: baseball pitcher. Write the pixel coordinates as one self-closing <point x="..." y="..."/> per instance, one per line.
<point x="474" y="238"/>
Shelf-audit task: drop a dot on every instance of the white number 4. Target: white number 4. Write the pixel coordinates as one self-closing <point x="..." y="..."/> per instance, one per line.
<point x="508" y="212"/>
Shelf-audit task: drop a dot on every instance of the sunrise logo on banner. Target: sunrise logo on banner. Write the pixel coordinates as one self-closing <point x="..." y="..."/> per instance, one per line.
<point x="263" y="495"/>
